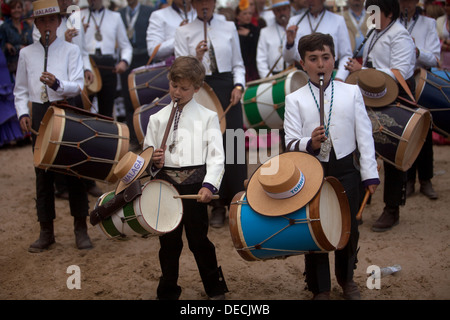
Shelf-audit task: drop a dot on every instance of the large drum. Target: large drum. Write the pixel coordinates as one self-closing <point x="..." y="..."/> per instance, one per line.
<point x="76" y="142"/>
<point x="322" y="225"/>
<point x="433" y="93"/>
<point x="148" y="83"/>
<point x="264" y="99"/>
<point x="205" y="96"/>
<point x="155" y="212"/>
<point x="399" y="133"/>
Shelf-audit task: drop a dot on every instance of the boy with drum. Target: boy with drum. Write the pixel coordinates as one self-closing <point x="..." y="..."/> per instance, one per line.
<point x="62" y="78"/>
<point x="346" y="128"/>
<point x="193" y="161"/>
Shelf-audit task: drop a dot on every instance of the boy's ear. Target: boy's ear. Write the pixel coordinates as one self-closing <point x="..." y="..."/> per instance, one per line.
<point x="197" y="89"/>
<point x="302" y="63"/>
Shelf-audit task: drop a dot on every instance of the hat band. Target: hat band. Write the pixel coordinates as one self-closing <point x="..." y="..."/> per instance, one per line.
<point x="290" y="193"/>
<point x="45" y="11"/>
<point x="375" y="95"/>
<point x="135" y="169"/>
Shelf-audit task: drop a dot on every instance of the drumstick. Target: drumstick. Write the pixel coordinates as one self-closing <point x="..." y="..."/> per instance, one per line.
<point x="193" y="196"/>
<point x="363" y="43"/>
<point x="364" y="202"/>
<point x="321" y="98"/>
<point x="226" y="110"/>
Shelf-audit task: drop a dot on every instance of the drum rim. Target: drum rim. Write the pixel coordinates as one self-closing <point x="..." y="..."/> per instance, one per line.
<point x="411" y="127"/>
<point x="109" y="220"/>
<point x="234" y="220"/>
<point x="43" y="158"/>
<point x="97" y="75"/>
<point x="132" y="91"/>
<point x="314" y="214"/>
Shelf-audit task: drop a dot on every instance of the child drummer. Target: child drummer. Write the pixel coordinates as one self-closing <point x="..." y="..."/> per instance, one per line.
<point x="193" y="161"/>
<point x="43" y="78"/>
<point x="346" y="128"/>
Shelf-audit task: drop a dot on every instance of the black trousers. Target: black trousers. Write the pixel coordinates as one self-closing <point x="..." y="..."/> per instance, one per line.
<point x="423" y="166"/>
<point x="45" y="192"/>
<point x="394" y="179"/>
<point x="317" y="266"/>
<point x="107" y="93"/>
<point x="195" y="223"/>
<point x="235" y="168"/>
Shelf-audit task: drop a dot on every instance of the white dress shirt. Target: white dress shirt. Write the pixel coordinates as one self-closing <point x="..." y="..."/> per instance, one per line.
<point x="161" y="30"/>
<point x="225" y="40"/>
<point x="113" y="33"/>
<point x="64" y="61"/>
<point x="425" y="36"/>
<point x="78" y="40"/>
<point x="199" y="140"/>
<point x="350" y="126"/>
<point x="270" y="46"/>
<point x="332" y="24"/>
<point x="394" y="49"/>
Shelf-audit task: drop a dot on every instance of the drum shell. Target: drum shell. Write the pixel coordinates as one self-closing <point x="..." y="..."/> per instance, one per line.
<point x="148" y="83"/>
<point x="399" y="133"/>
<point x="155" y="212"/>
<point x="264" y="100"/>
<point x="79" y="144"/>
<point x="249" y="228"/>
<point x="433" y="93"/>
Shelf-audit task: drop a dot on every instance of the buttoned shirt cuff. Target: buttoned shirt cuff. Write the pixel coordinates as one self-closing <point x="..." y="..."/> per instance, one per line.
<point x="310" y="149"/>
<point x="370" y="182"/>
<point x="210" y="187"/>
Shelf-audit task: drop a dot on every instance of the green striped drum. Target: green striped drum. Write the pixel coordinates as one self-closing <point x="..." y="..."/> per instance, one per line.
<point x="155" y="212"/>
<point x="263" y="101"/>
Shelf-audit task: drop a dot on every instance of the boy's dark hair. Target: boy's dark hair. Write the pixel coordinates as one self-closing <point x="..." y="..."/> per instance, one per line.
<point x="313" y="42"/>
<point x="189" y="68"/>
<point x="386" y="6"/>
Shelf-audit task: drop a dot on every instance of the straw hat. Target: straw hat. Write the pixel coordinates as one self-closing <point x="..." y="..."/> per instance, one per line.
<point x="284" y="183"/>
<point x="279" y="3"/>
<point x="131" y="167"/>
<point x="45" y="8"/>
<point x="378" y="88"/>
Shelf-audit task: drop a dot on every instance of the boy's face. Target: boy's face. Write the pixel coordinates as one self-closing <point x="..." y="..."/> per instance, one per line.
<point x="317" y="62"/>
<point x="183" y="90"/>
<point x="48" y="23"/>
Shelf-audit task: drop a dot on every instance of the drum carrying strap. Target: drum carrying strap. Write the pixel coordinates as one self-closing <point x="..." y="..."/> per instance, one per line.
<point x="118" y="201"/>
<point x="403" y="83"/>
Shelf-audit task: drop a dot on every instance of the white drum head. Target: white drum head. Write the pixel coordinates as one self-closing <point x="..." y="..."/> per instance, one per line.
<point x="330" y="214"/>
<point x="159" y="209"/>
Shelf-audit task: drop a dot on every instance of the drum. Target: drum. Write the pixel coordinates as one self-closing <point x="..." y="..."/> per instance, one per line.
<point x="148" y="83"/>
<point x="433" y="93"/>
<point x="399" y="133"/>
<point x="155" y="212"/>
<point x="80" y="143"/>
<point x="96" y="85"/>
<point x="322" y="225"/>
<point x="263" y="100"/>
<point x="205" y="96"/>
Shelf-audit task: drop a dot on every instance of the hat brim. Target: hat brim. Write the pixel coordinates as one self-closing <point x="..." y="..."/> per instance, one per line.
<point x="147" y="156"/>
<point x="390" y="96"/>
<point x="280" y="4"/>
<point x="262" y="203"/>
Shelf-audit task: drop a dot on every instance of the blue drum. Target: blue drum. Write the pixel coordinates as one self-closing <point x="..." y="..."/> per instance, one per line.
<point x="322" y="225"/>
<point x="433" y="93"/>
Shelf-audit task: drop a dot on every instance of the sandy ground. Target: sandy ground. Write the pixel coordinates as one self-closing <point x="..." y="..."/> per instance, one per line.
<point x="129" y="269"/>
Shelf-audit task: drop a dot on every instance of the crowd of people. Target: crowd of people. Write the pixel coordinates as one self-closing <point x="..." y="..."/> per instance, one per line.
<point x="231" y="46"/>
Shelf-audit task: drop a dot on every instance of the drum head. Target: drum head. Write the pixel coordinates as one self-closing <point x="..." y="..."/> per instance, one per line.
<point x="157" y="205"/>
<point x="207" y="98"/>
<point x="329" y="212"/>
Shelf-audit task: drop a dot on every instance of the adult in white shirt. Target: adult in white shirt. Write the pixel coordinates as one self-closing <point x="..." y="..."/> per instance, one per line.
<point x="62" y="78"/>
<point x="162" y="26"/>
<point x="271" y="40"/>
<point x="104" y="31"/>
<point x="390" y="47"/>
<point x="319" y="19"/>
<point x="424" y="33"/>
<point x="225" y="74"/>
<point x="443" y="28"/>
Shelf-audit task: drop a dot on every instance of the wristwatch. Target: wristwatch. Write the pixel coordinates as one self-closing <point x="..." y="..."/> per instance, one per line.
<point x="240" y="87"/>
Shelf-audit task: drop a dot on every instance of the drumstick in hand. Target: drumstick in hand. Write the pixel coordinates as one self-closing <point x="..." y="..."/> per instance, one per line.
<point x="193" y="196"/>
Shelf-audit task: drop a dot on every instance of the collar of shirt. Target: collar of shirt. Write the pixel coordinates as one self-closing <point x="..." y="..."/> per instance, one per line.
<point x="209" y="21"/>
<point x="357" y="17"/>
<point x="131" y="11"/>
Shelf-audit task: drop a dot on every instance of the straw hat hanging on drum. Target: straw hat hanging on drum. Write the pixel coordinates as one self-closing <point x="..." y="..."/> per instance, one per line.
<point x="289" y="209"/>
<point x="399" y="131"/>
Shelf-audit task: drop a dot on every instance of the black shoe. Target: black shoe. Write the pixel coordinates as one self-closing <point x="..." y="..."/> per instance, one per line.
<point x="81" y="237"/>
<point x="46" y="238"/>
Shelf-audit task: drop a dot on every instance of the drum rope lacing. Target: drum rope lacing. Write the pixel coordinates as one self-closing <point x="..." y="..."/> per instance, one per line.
<point x="147" y="83"/>
<point x="291" y="222"/>
<point x="77" y="145"/>
<point x="382" y="129"/>
<point x="439" y="87"/>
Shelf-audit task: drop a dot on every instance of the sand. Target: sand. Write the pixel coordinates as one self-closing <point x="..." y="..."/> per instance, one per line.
<point x="129" y="269"/>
